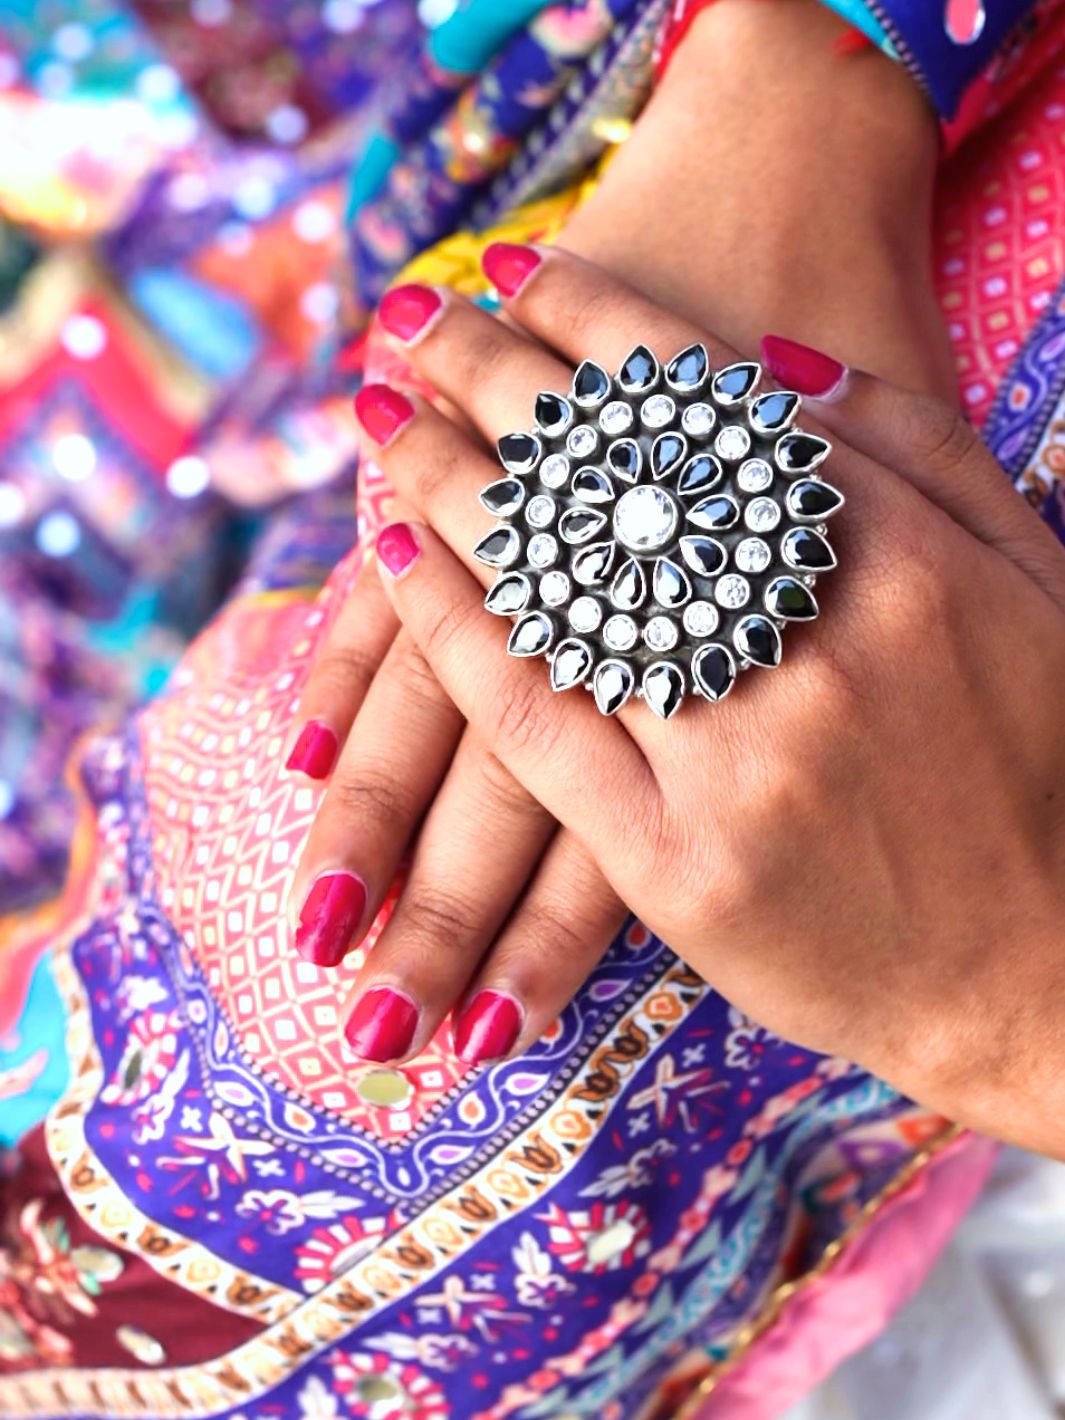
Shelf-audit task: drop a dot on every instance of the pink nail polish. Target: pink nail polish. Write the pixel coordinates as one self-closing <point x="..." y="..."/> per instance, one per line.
<point x="382" y="411"/>
<point x="314" y="752"/>
<point x="397" y="547"/>
<point x="508" y="266"/>
<point x="330" y="917"/>
<point x="487" y="1028"/>
<point x="801" y="368"/>
<point x="382" y="1025"/>
<point x="405" y="311"/>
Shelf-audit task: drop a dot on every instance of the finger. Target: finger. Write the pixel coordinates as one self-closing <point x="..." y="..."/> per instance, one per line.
<point x="395" y="757"/>
<point x="559" y="931"/>
<point x="343" y="669"/>
<point x="450" y="908"/>
<point x="929" y="443"/>
<point x="578" y="764"/>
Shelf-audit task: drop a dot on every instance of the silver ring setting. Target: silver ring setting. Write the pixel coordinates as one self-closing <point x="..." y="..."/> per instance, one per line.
<point x="658" y="529"/>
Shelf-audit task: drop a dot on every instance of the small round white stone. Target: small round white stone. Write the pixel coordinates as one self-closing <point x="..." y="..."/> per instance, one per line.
<point x="732" y="591"/>
<point x="753" y="555"/>
<point x="554" y="588"/>
<point x="660" y="633"/>
<point x="701" y="618"/>
<point x="616" y="417"/>
<point x="733" y="442"/>
<point x="542" y="550"/>
<point x="657" y="411"/>
<point x="585" y="614"/>
<point x="762" y="515"/>
<point x="698" y="419"/>
<point x="645" y="518"/>
<point x="754" y="476"/>
<point x="554" y="471"/>
<point x="620" y="633"/>
<point x="582" y="441"/>
<point x="540" y="511"/>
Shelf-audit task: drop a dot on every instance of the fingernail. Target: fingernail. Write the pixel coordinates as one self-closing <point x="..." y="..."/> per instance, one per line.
<point x="405" y="311"/>
<point x="487" y="1028"/>
<point x="382" y="411"/>
<point x="508" y="266"/>
<point x="329" y="918"/>
<point x="397" y="547"/>
<point x="803" y="369"/>
<point x="314" y="752"/>
<point x="382" y="1025"/>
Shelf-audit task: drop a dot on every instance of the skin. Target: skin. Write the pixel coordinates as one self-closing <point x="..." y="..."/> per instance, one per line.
<point x="723" y="230"/>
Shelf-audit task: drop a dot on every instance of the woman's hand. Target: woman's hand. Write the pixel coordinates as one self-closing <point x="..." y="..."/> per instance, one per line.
<point x="864" y="849"/>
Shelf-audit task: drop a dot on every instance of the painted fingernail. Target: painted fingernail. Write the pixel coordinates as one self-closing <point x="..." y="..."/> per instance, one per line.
<point x="314" y="752"/>
<point x="508" y="266"/>
<point x="802" y="368"/>
<point x="382" y="1025"/>
<point x="397" y="547"/>
<point x="405" y="311"/>
<point x="329" y="918"/>
<point x="487" y="1028"/>
<point x="382" y="411"/>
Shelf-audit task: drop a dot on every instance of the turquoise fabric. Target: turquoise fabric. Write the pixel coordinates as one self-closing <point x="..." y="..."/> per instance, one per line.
<point x="34" y="1057"/>
<point x="468" y="39"/>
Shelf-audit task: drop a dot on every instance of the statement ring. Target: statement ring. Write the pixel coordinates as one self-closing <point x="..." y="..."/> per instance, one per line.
<point x="658" y="529"/>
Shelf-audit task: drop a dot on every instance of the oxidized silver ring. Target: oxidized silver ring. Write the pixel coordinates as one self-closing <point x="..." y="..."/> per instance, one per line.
<point x="658" y="529"/>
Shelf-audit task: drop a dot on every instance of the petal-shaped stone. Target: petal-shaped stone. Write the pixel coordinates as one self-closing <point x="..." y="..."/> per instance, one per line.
<point x="703" y="555"/>
<point x="629" y="587"/>
<point x="666" y="452"/>
<point x="789" y="600"/>
<point x="757" y="639"/>
<point x="689" y="369"/>
<point x="570" y="664"/>
<point x="735" y="382"/>
<point x="810" y="500"/>
<point x="639" y="370"/>
<point x="771" y="413"/>
<point x="715" y="513"/>
<point x="807" y="550"/>
<point x="663" y="688"/>
<point x="625" y="458"/>
<point x="592" y="565"/>
<point x="699" y="475"/>
<point x="714" y="670"/>
<point x="670" y="584"/>
<point x="532" y="634"/>
<point x="518" y="452"/>
<point x="799" y="453"/>
<point x="577" y="525"/>
<point x="590" y="485"/>
<point x="553" y="413"/>
<point x="614" y="682"/>
<point x="503" y="497"/>
<point x="509" y="595"/>
<point x="591" y="384"/>
<point x="499" y="548"/>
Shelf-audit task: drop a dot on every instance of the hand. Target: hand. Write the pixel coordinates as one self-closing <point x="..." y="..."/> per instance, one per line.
<point x="865" y="849"/>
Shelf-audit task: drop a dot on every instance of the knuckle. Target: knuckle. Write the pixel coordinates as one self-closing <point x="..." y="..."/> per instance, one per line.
<point x="950" y="440"/>
<point x="343" y="669"/>
<point x="370" y="795"/>
<point x="430" y="913"/>
<point x="435" y="471"/>
<point x="521" y="721"/>
<point x="500" y="793"/>
<point x="420" y="684"/>
<point x="448" y="630"/>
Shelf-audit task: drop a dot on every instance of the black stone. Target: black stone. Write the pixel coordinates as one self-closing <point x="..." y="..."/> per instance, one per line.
<point x="629" y="587"/>
<point x="499" y="548"/>
<point x="735" y="382"/>
<point x="714" y="670"/>
<point x="687" y="370"/>
<point x="509" y="595"/>
<point x="610" y="702"/>
<point x="810" y="498"/>
<point x="625" y="458"/>
<point x="699" y="475"/>
<point x="503" y="497"/>
<point x="670" y="583"/>
<point x="591" y="384"/>
<point x="797" y="453"/>
<point x="807" y="550"/>
<point x="592" y="486"/>
<point x="667" y="451"/>
<point x="532" y="635"/>
<point x="640" y="370"/>
<point x="715" y="513"/>
<point x="553" y="412"/>
<point x="773" y="412"/>
<point x="663" y="688"/>
<point x="591" y="565"/>
<point x="757" y="639"/>
<point x="787" y="599"/>
<point x="577" y="525"/>
<point x="518" y="452"/>
<point x="570" y="664"/>
<point x="703" y="555"/>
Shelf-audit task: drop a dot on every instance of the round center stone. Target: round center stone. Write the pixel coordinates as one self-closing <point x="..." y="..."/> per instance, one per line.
<point x="645" y="519"/>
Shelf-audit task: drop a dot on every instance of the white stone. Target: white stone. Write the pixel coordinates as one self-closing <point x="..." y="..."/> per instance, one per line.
<point x="733" y="442"/>
<point x="616" y="417"/>
<point x="661" y="634"/>
<point x="732" y="591"/>
<point x="762" y="515"/>
<point x="585" y="614"/>
<point x="658" y="411"/>
<point x="754" y="476"/>
<point x="645" y="518"/>
<point x="698" y="419"/>
<point x="753" y="555"/>
<point x="701" y="618"/>
<point x="554" y="588"/>
<point x="620" y="633"/>
<point x="554" y="471"/>
<point x="582" y="441"/>
<point x="540" y="511"/>
<point x="542" y="550"/>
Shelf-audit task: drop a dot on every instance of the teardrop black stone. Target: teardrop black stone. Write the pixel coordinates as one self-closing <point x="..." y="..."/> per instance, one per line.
<point x="770" y="412"/>
<point x="810" y="498"/>
<point x="503" y="497"/>
<point x="703" y="555"/>
<point x="553" y="412"/>
<point x="591" y="383"/>
<point x="714" y="671"/>
<point x="714" y="513"/>
<point x="789" y="600"/>
<point x="807" y="550"/>
<point x="592" y="486"/>
<point x="625" y="458"/>
<point x="518" y="452"/>
<point x="579" y="524"/>
<point x="532" y="635"/>
<point x="570" y="664"/>
<point x="735" y="382"/>
<point x="668" y="450"/>
<point x="639" y="371"/>
<point x="663" y="688"/>
<point x="758" y="639"/>
<point x="687" y="370"/>
<point x="614" y="683"/>
<point x="498" y="548"/>
<point x="509" y="595"/>
<point x="796" y="453"/>
<point x="699" y="475"/>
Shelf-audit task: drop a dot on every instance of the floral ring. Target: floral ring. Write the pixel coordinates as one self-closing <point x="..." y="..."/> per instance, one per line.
<point x="658" y="529"/>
